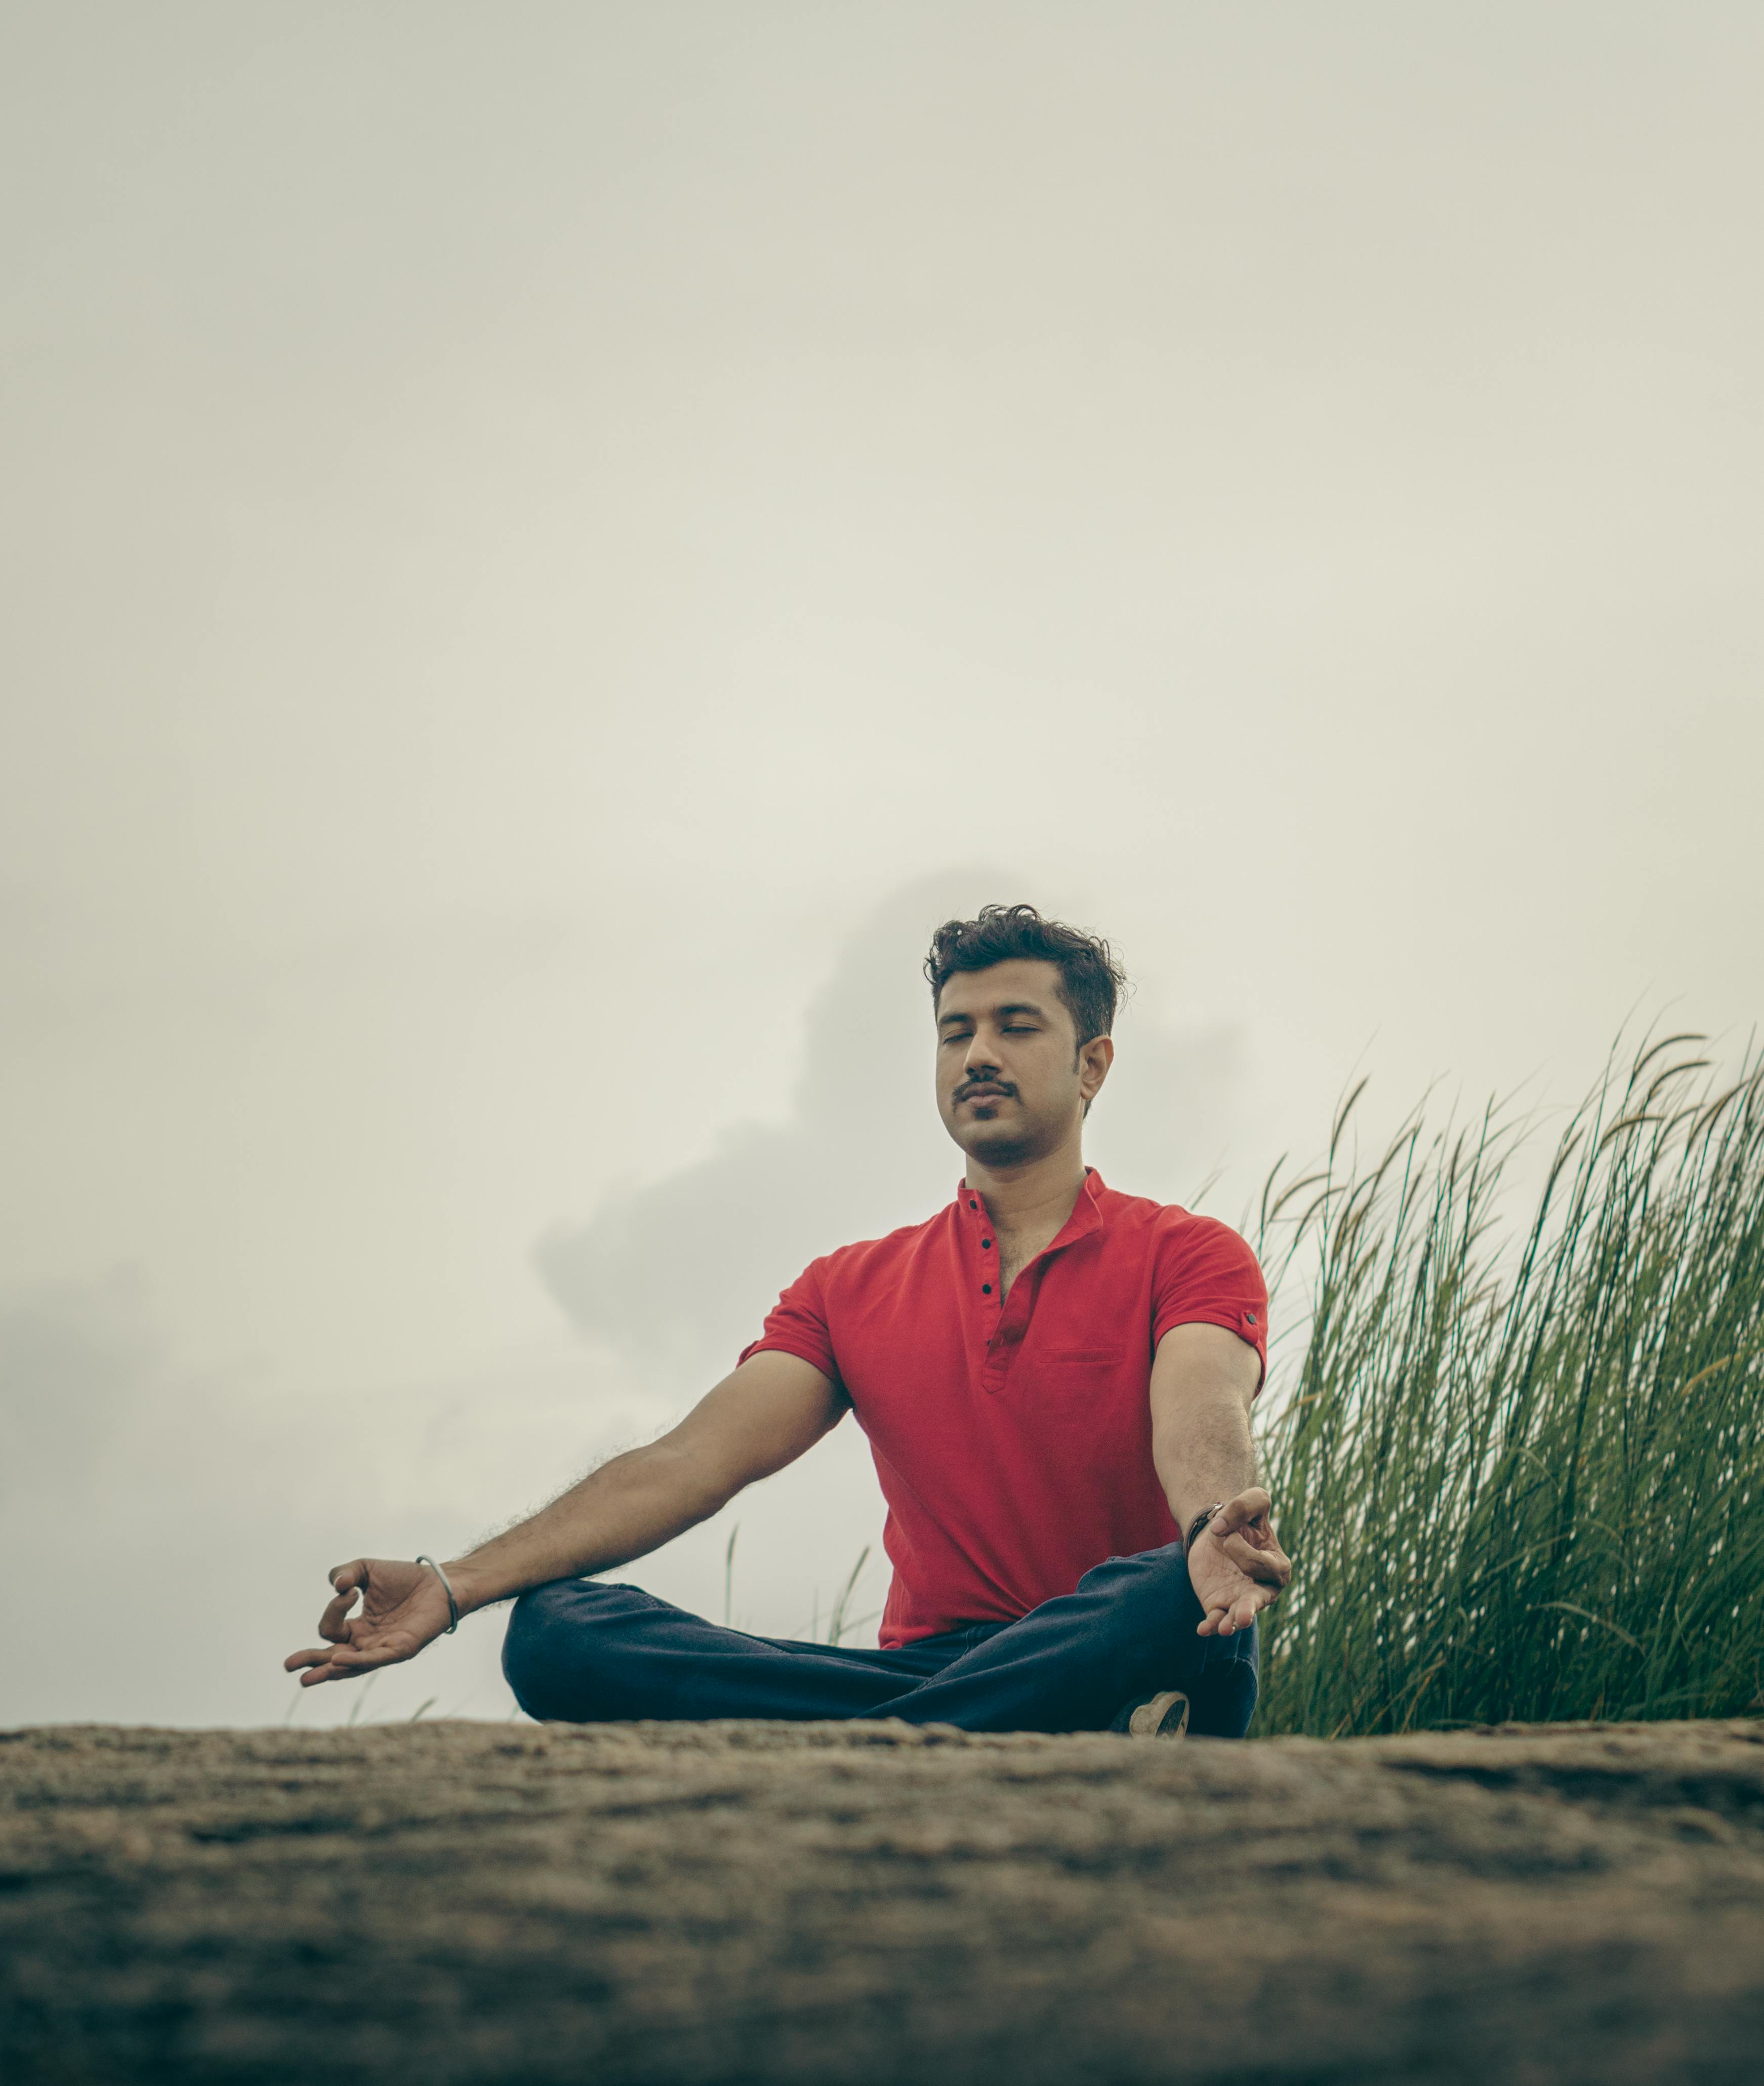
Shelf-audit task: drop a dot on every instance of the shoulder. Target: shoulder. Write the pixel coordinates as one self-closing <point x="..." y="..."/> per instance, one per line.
<point x="1200" y="1255"/>
<point x="1179" y="1238"/>
<point x="1164" y="1220"/>
<point x="1194" y="1233"/>
<point x="865" y="1259"/>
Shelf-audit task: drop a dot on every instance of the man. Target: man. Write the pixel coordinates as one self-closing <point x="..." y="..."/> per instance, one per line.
<point x="1056" y="1382"/>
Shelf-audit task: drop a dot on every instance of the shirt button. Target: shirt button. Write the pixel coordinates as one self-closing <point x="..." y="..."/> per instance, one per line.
<point x="986" y="1289"/>
<point x="986" y="1247"/>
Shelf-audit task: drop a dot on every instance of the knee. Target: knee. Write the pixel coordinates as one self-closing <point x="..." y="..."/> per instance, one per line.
<point x="528" y="1646"/>
<point x="1225" y="1701"/>
<point x="541" y="1649"/>
<point x="571" y="1648"/>
<point x="1147" y="1595"/>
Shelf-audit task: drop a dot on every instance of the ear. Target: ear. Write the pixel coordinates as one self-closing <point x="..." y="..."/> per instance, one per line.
<point x="1094" y="1058"/>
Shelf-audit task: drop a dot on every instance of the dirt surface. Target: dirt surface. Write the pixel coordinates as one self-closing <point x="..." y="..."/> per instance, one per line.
<point x="769" y="1905"/>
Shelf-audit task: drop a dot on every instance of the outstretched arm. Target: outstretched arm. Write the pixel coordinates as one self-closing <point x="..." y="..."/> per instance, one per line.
<point x="764" y="1416"/>
<point x="1202" y="1382"/>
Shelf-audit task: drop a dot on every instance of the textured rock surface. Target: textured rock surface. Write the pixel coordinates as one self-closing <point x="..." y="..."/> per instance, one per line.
<point x="771" y="1905"/>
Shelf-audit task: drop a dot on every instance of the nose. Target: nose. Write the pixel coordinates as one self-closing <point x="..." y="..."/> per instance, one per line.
<point x="980" y="1061"/>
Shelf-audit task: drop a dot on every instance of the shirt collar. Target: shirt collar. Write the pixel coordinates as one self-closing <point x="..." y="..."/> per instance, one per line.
<point x="1086" y="1212"/>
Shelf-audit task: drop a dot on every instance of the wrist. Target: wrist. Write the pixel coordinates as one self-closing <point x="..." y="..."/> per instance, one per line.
<point x="1198" y="1527"/>
<point x="471" y="1591"/>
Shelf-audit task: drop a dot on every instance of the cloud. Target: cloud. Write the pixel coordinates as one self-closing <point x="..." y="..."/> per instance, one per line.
<point x="677" y="1274"/>
<point x="167" y="1532"/>
<point x="1172" y="1114"/>
<point x="74" y="1359"/>
<point x="191" y="1515"/>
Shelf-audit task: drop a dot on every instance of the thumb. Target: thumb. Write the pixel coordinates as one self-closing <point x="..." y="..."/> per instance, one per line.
<point x="1251" y="1507"/>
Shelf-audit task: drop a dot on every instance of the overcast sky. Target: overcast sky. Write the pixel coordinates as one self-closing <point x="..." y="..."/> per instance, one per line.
<point x="546" y="546"/>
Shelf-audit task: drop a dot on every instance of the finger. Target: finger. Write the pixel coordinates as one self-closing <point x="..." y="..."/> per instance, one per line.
<point x="333" y="1671"/>
<point x="320" y="1666"/>
<point x="1251" y="1504"/>
<point x="341" y="1656"/>
<point x="1238" y="1614"/>
<point x="1268" y="1565"/>
<point x="346" y="1664"/>
<point x="1245" y="1609"/>
<point x="334" y="1623"/>
<point x="347" y="1581"/>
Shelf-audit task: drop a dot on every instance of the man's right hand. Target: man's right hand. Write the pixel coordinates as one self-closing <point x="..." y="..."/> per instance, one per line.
<point x="760" y="1417"/>
<point x="403" y="1607"/>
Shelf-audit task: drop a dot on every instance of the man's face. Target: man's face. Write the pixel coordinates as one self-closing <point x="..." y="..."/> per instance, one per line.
<point x="1012" y="1081"/>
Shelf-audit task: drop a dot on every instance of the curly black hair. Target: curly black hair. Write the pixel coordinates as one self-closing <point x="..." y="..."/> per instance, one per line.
<point x="1091" y="981"/>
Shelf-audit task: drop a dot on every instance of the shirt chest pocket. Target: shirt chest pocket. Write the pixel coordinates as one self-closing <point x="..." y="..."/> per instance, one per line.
<point x="1071" y="1403"/>
<point x="1098" y="1360"/>
<point x="1071" y="1376"/>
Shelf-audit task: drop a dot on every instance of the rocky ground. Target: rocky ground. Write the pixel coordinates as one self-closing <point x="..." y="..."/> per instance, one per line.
<point x="775" y="1905"/>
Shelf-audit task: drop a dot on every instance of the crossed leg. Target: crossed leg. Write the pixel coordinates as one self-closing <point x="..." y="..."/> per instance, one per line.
<point x="581" y="1651"/>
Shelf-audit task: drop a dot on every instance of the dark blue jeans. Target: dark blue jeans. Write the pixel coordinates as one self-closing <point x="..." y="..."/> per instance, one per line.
<point x="581" y="1652"/>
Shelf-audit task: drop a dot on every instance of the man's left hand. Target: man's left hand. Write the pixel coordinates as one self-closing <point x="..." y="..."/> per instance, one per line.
<point x="1236" y="1565"/>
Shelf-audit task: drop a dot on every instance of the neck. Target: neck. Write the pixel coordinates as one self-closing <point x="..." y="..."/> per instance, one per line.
<point x="1035" y="1193"/>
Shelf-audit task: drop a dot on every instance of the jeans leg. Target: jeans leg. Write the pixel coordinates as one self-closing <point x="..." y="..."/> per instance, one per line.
<point x="1071" y="1664"/>
<point x="582" y="1652"/>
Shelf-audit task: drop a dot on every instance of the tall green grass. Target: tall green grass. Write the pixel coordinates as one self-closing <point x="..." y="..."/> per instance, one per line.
<point x="1520" y="1466"/>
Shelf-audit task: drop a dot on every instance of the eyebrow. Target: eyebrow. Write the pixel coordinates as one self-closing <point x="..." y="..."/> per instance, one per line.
<point x="1010" y="1007"/>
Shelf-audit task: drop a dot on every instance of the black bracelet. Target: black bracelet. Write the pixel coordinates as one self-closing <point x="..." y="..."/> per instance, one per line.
<point x="453" y="1605"/>
<point x="1200" y="1522"/>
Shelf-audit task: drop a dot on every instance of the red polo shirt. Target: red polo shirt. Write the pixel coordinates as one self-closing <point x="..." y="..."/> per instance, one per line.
<point x="1013" y="1438"/>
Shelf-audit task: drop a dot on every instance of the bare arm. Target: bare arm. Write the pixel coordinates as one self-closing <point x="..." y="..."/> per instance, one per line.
<point x="768" y="1412"/>
<point x="1202" y="1382"/>
<point x="763" y="1415"/>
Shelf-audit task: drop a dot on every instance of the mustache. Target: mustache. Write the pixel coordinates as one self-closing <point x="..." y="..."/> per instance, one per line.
<point x="969" y="1087"/>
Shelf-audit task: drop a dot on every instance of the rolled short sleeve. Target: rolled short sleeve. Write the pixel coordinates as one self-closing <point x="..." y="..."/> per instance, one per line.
<point x="1206" y="1275"/>
<point x="798" y="1325"/>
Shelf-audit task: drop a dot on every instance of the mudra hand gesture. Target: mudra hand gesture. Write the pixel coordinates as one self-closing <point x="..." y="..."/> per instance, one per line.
<point x="1236" y="1565"/>
<point x="403" y="1607"/>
